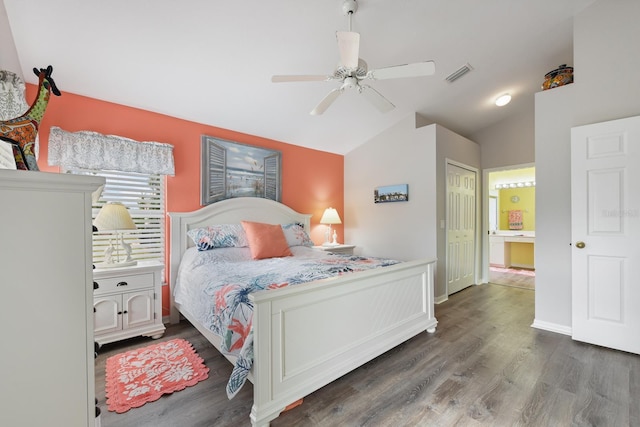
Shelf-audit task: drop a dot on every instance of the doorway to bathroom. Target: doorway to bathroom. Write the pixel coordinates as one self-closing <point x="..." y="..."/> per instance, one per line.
<point x="510" y="226"/>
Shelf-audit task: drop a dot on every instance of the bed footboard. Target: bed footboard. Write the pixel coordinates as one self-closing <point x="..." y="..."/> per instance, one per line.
<point x="307" y="336"/>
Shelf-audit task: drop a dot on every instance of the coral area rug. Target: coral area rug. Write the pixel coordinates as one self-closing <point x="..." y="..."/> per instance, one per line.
<point x="143" y="375"/>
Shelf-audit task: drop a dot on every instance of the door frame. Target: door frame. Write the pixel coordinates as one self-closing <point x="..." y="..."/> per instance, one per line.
<point x="485" y="214"/>
<point x="445" y="225"/>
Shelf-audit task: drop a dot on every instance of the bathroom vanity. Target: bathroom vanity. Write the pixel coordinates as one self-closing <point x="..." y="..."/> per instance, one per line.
<point x="505" y="250"/>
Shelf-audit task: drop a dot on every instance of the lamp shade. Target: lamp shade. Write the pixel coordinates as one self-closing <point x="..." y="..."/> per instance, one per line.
<point x="330" y="216"/>
<point x="114" y="216"/>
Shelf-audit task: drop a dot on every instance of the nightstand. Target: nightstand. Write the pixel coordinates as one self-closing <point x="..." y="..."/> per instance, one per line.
<point x="337" y="249"/>
<point x="128" y="302"/>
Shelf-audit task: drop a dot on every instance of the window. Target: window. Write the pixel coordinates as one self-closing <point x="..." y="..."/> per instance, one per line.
<point x="143" y="195"/>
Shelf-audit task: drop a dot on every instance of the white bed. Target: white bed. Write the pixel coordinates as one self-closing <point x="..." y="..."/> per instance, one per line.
<point x="296" y="348"/>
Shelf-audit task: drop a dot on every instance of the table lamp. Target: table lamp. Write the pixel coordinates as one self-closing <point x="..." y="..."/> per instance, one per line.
<point x="330" y="216"/>
<point x="115" y="217"/>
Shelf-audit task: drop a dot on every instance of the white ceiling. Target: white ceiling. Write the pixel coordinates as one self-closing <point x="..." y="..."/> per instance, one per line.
<point x="211" y="61"/>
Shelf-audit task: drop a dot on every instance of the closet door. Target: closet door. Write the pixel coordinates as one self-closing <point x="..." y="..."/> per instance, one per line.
<point x="461" y="227"/>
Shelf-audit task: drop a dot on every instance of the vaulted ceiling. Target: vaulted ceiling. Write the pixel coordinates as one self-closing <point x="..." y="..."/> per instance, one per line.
<point x="211" y="61"/>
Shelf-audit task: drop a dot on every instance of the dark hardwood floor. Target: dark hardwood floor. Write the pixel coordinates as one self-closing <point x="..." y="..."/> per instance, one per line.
<point x="485" y="366"/>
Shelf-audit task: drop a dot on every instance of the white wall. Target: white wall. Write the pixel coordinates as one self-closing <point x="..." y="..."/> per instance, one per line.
<point x="9" y="58"/>
<point x="399" y="230"/>
<point x="403" y="154"/>
<point x="451" y="146"/>
<point x="508" y="142"/>
<point x="607" y="60"/>
<point x="607" y="86"/>
<point x="554" y="110"/>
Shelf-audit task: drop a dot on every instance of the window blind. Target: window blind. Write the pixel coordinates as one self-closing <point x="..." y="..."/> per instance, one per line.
<point x="143" y="195"/>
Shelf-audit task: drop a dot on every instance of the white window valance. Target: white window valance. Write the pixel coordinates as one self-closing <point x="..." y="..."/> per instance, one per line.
<point x="12" y="104"/>
<point x="12" y="101"/>
<point x="92" y="150"/>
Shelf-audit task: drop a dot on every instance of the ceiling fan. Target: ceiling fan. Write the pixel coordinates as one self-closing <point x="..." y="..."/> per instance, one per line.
<point x="352" y="70"/>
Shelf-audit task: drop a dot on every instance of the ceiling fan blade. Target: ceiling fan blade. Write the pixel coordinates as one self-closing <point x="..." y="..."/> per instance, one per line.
<point x="349" y="45"/>
<point x="326" y="102"/>
<point x="302" y="78"/>
<point x="418" y="69"/>
<point x="373" y="96"/>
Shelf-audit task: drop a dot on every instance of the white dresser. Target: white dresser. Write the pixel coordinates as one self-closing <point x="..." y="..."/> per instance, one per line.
<point x="47" y="357"/>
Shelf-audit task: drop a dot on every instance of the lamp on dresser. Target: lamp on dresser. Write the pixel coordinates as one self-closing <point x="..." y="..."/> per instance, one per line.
<point x="114" y="217"/>
<point x="329" y="217"/>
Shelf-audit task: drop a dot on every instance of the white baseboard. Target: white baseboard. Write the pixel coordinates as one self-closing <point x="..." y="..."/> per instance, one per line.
<point x="440" y="299"/>
<point x="552" y="327"/>
<point x="527" y="266"/>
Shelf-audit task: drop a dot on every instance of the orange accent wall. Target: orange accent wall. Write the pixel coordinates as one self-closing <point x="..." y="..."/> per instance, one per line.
<point x="312" y="180"/>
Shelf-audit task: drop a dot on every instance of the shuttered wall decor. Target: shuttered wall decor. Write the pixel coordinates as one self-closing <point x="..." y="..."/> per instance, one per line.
<point x="230" y="169"/>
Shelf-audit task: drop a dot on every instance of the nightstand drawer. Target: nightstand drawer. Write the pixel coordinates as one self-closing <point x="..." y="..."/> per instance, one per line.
<point x="124" y="283"/>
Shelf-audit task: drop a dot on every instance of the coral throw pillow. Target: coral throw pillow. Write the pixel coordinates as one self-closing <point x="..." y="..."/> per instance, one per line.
<point x="266" y="240"/>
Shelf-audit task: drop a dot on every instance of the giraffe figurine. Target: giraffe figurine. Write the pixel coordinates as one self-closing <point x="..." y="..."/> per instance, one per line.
<point x="21" y="131"/>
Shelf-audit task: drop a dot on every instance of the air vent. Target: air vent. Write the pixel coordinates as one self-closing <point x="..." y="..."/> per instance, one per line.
<point x="459" y="73"/>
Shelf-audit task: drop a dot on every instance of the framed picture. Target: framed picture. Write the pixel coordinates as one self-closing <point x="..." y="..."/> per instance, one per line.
<point x="391" y="193"/>
<point x="230" y="169"/>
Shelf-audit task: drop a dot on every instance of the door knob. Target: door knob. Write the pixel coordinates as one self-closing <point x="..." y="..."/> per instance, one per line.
<point x="580" y="245"/>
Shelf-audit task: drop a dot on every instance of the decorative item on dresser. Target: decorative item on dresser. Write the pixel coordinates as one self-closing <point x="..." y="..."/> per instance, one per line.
<point x="127" y="302"/>
<point x="21" y="131"/>
<point x="48" y="357"/>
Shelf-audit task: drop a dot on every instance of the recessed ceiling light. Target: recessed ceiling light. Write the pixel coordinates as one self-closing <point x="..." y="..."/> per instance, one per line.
<point x="503" y="100"/>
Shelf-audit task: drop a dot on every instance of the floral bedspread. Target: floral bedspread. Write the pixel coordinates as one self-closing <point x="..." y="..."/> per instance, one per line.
<point x="214" y="286"/>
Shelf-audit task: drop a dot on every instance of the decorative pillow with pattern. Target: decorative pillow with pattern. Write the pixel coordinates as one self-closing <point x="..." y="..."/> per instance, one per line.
<point x="296" y="235"/>
<point x="219" y="236"/>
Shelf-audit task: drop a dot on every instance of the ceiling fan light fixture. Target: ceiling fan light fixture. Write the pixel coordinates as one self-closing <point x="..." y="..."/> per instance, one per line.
<point x="348" y="44"/>
<point x="351" y="70"/>
<point x="503" y="100"/>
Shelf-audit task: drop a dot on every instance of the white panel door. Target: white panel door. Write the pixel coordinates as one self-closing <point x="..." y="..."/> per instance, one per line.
<point x="461" y="227"/>
<point x="605" y="218"/>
